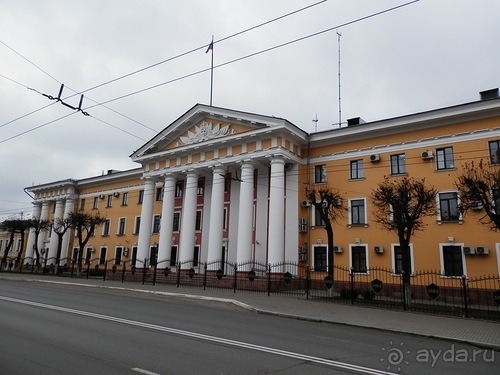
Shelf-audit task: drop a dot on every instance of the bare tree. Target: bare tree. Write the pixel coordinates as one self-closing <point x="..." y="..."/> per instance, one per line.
<point x="84" y="224"/>
<point x="479" y="189"/>
<point x="328" y="204"/>
<point x="38" y="226"/>
<point x="401" y="205"/>
<point x="14" y="226"/>
<point x="60" y="227"/>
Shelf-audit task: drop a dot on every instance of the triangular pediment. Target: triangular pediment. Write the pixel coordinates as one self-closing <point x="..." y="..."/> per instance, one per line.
<point x="205" y="124"/>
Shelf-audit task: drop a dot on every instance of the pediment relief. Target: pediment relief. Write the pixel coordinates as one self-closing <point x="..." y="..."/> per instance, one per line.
<point x="203" y="132"/>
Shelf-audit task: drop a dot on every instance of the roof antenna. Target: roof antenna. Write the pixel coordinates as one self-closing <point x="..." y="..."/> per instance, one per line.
<point x="315" y="120"/>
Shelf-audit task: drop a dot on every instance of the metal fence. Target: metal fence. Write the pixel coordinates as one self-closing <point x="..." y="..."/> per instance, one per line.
<point x="430" y="291"/>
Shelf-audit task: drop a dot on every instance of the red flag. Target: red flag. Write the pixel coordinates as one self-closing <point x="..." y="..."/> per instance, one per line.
<point x="210" y="47"/>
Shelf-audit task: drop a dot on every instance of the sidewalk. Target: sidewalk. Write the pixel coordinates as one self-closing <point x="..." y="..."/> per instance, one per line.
<point x="480" y="333"/>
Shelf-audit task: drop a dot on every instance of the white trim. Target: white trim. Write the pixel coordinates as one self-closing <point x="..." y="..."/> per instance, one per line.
<point x="393" y="259"/>
<point x="351" y="245"/>
<point x="441" y="257"/>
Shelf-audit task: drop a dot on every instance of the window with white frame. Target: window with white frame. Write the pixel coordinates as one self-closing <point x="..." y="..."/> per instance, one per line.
<point x="448" y="206"/>
<point x="102" y="255"/>
<point x="452" y="260"/>
<point x="318" y="222"/>
<point x="95" y="203"/>
<point x="105" y="227"/>
<point x="133" y="260"/>
<point x="159" y="194"/>
<point x="173" y="256"/>
<point x="137" y="225"/>
<point x="156" y="223"/>
<point x="109" y="201"/>
<point x="178" y="189"/>
<point x="82" y="204"/>
<point x="118" y="255"/>
<point x="121" y="226"/>
<point x="124" y="198"/>
<point x="397" y="259"/>
<point x="494" y="149"/>
<point x="444" y="158"/>
<point x="88" y="255"/>
<point x="224" y="220"/>
<point x="140" y="197"/>
<point x="356" y="169"/>
<point x="358" y="258"/>
<point x="320" y="174"/>
<point x="196" y="255"/>
<point x="398" y="164"/>
<point x="75" y="254"/>
<point x="320" y="258"/>
<point x="357" y="211"/>
<point x="198" y="222"/>
<point x="200" y="187"/>
<point x="177" y="222"/>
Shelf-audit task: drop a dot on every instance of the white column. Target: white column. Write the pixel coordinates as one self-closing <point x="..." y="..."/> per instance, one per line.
<point x="216" y="228"/>
<point x="44" y="215"/>
<point x="167" y="218"/>
<point x="68" y="209"/>
<point x="54" y="239"/>
<point x="186" y="241"/>
<point x="245" y="214"/>
<point x="276" y="244"/>
<point x="146" y="221"/>
<point x="30" y="251"/>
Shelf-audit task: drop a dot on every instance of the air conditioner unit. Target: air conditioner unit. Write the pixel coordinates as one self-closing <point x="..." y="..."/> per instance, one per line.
<point x="469" y="250"/>
<point x="337" y="249"/>
<point x="378" y="249"/>
<point x="305" y="204"/>
<point x="482" y="250"/>
<point x="477" y="205"/>
<point x="125" y="251"/>
<point x="303" y="221"/>
<point x="302" y="256"/>
<point x="427" y="155"/>
<point x="374" y="158"/>
<point x="101" y="196"/>
<point x="116" y="194"/>
<point x="303" y="228"/>
<point x="302" y="250"/>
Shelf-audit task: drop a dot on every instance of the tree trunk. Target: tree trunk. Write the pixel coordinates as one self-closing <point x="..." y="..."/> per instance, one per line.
<point x="406" y="260"/>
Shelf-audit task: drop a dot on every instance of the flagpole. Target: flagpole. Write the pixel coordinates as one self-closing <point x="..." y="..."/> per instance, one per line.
<point x="212" y="72"/>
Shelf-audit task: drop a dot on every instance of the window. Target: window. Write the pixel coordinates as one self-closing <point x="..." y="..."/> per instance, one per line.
<point x="357" y="211"/>
<point x="397" y="259"/>
<point x="102" y="255"/>
<point x="173" y="255"/>
<point x="75" y="255"/>
<point x="224" y="220"/>
<point x="121" y="226"/>
<point x="318" y="222"/>
<point x="156" y="223"/>
<point x="452" y="260"/>
<point x="124" y="199"/>
<point x="137" y="225"/>
<point x="82" y="204"/>
<point x="133" y="261"/>
<point x="320" y="174"/>
<point x="159" y="194"/>
<point x="109" y="201"/>
<point x="94" y="204"/>
<point x="118" y="255"/>
<point x="320" y="258"/>
<point x="177" y="221"/>
<point x="141" y="197"/>
<point x="356" y="169"/>
<point x="178" y="189"/>
<point x="359" y="262"/>
<point x="198" y="220"/>
<point x="227" y="182"/>
<point x="153" y="256"/>
<point x="201" y="186"/>
<point x="494" y="147"/>
<point x="448" y="206"/>
<point x="88" y="255"/>
<point x="196" y="255"/>
<point x="105" y="227"/>
<point x="444" y="158"/>
<point x="398" y="164"/>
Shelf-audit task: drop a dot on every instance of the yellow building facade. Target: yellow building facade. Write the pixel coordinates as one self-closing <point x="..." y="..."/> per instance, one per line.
<point x="220" y="185"/>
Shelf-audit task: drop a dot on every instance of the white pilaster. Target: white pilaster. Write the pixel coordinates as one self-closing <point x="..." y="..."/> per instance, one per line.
<point x="167" y="219"/>
<point x="146" y="222"/>
<point x="68" y="209"/>
<point x="245" y="214"/>
<point x="44" y="215"/>
<point x="187" y="241"/>
<point x="30" y="251"/>
<point x="54" y="239"/>
<point x="216" y="227"/>
<point x="276" y="245"/>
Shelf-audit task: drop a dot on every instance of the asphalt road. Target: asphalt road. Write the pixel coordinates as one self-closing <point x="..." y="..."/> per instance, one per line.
<point x="64" y="329"/>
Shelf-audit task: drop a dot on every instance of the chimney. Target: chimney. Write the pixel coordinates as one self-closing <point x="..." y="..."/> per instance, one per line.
<point x="489" y="94"/>
<point x="355" y="121"/>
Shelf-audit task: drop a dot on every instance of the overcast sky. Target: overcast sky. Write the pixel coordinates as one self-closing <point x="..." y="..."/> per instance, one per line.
<point x="425" y="55"/>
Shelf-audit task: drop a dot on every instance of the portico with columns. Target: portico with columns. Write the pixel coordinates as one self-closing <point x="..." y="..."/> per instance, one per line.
<point x="230" y="188"/>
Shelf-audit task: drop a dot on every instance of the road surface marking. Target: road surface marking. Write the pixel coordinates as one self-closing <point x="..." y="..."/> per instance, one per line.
<point x="142" y="371"/>
<point x="200" y="336"/>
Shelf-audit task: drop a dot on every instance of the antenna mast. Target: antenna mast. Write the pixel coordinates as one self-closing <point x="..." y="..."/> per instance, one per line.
<point x="340" y="100"/>
<point x="315" y="120"/>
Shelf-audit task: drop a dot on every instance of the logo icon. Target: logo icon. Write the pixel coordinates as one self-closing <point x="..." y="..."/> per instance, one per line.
<point x="395" y="356"/>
